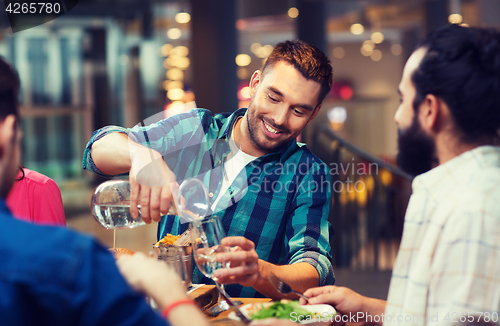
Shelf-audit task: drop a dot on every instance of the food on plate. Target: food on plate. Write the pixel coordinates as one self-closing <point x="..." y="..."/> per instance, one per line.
<point x="117" y="252"/>
<point x="279" y="309"/>
<point x="314" y="314"/>
<point x="168" y="240"/>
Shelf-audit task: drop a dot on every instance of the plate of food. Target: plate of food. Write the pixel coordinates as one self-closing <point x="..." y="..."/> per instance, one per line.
<point x="290" y="310"/>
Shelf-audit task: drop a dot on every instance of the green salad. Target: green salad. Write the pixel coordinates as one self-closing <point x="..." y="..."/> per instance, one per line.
<point x="281" y="310"/>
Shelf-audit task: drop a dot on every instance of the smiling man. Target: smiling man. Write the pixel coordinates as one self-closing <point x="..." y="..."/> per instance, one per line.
<point x="271" y="193"/>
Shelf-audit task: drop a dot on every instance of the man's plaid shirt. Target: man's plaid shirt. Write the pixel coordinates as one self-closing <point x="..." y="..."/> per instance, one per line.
<point x="282" y="203"/>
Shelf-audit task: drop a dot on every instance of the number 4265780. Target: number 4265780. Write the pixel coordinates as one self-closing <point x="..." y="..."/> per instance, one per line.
<point x="33" y="8"/>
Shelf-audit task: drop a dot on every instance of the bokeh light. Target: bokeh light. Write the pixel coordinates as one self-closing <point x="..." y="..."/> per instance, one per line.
<point x="180" y="50"/>
<point x="245" y="92"/>
<point x="165" y="49"/>
<point x="242" y="73"/>
<point x="182" y="17"/>
<point x="293" y="12"/>
<point x="455" y="19"/>
<point x="243" y="60"/>
<point x="376" y="55"/>
<point x="377" y="37"/>
<point x="174" y="33"/>
<point x="182" y="63"/>
<point x="338" y="52"/>
<point x="255" y="47"/>
<point x="396" y="49"/>
<point x="175" y="74"/>
<point x="369" y="46"/>
<point x="175" y="94"/>
<point x="365" y="50"/>
<point x="357" y="29"/>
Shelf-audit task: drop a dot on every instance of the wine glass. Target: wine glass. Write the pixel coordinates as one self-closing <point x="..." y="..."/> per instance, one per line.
<point x="206" y="241"/>
<point x="191" y="200"/>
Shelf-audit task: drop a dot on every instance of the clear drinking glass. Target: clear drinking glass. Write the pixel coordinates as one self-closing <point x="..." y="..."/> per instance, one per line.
<point x="206" y="241"/>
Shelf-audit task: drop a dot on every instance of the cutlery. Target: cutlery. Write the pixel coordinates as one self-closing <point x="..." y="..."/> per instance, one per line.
<point x="284" y="288"/>
<point x="244" y="319"/>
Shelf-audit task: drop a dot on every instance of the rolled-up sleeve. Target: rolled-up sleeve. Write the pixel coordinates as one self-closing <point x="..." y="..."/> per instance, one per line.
<point x="88" y="163"/>
<point x="165" y="136"/>
<point x="308" y="229"/>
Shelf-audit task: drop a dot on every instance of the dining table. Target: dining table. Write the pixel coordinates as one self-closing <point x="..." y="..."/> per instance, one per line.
<point x="207" y="296"/>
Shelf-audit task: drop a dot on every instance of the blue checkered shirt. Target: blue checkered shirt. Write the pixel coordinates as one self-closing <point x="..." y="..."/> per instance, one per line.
<point x="284" y="208"/>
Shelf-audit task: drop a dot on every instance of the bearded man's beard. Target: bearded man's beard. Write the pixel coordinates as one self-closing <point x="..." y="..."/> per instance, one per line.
<point x="416" y="150"/>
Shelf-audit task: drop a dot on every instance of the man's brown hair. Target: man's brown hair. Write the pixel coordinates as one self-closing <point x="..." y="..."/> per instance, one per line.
<point x="312" y="63"/>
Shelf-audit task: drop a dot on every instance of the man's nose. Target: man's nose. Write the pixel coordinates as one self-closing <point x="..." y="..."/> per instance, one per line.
<point x="397" y="116"/>
<point x="280" y="116"/>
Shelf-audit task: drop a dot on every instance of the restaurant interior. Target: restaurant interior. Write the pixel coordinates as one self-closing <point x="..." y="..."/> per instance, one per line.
<point x="120" y="62"/>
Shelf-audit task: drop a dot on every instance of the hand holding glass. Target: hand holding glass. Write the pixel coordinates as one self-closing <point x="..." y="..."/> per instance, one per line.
<point x="206" y="240"/>
<point x="111" y="203"/>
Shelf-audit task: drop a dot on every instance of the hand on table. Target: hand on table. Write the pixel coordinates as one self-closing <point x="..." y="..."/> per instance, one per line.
<point x="345" y="301"/>
<point x="152" y="185"/>
<point x="243" y="259"/>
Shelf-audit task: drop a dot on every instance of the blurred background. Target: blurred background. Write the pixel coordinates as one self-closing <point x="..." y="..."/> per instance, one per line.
<point x="121" y="61"/>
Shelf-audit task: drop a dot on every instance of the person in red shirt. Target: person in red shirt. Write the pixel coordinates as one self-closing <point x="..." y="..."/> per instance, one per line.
<point x="36" y="198"/>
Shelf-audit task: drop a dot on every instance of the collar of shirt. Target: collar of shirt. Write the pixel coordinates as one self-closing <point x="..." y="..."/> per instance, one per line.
<point x="446" y="176"/>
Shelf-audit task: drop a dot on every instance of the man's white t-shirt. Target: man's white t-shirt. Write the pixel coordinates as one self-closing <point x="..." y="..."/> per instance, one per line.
<point x="232" y="166"/>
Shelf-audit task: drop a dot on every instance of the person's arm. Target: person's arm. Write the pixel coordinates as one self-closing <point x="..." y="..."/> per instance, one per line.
<point x="110" y="148"/>
<point x="156" y="279"/>
<point x="307" y="236"/>
<point x="347" y="302"/>
<point x="150" y="178"/>
<point x="111" y="153"/>
<point x="99" y="294"/>
<point x="141" y="151"/>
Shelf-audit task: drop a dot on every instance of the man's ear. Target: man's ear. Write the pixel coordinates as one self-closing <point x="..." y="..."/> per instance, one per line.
<point x="254" y="82"/>
<point x="429" y="113"/>
<point x="7" y="134"/>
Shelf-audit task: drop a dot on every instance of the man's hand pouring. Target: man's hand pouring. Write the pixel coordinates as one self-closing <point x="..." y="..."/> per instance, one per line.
<point x="152" y="184"/>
